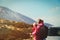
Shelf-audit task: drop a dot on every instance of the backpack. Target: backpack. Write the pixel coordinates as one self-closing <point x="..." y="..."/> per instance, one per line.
<point x="43" y="32"/>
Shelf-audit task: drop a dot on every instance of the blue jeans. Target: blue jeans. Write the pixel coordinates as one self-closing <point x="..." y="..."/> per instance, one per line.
<point x="44" y="39"/>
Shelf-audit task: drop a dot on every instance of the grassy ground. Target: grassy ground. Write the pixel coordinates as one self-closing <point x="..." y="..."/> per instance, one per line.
<point x="12" y="30"/>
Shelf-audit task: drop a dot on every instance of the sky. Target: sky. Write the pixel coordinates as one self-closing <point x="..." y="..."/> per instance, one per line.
<point x="48" y="10"/>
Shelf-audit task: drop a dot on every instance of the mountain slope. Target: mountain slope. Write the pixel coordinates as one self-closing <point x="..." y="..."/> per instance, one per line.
<point x="6" y="13"/>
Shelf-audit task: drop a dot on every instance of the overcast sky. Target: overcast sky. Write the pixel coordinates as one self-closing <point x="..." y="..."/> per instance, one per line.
<point x="48" y="10"/>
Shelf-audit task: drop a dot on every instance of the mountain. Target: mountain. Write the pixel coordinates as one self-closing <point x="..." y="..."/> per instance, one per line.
<point x="48" y="25"/>
<point x="6" y="13"/>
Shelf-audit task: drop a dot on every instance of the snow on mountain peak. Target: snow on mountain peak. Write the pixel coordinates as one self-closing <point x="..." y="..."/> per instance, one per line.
<point x="6" y="13"/>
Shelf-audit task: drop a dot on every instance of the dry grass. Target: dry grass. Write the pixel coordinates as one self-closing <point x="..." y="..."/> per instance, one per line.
<point x="12" y="30"/>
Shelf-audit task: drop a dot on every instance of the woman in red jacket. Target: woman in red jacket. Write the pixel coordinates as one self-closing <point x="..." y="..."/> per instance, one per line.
<point x="36" y="29"/>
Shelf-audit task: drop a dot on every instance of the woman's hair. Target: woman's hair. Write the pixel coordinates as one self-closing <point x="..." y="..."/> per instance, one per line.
<point x="40" y="20"/>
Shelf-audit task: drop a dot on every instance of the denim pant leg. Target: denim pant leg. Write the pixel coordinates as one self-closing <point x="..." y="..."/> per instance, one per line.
<point x="44" y="39"/>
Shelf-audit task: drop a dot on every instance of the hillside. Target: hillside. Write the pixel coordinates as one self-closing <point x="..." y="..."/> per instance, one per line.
<point x="12" y="30"/>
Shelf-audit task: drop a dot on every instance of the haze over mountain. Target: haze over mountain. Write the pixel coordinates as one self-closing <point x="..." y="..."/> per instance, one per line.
<point x="6" y="13"/>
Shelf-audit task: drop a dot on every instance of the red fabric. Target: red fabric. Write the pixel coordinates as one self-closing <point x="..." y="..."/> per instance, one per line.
<point x="39" y="26"/>
<point x="36" y="29"/>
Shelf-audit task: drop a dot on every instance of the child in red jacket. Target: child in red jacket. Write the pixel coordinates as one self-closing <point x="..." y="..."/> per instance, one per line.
<point x="34" y="29"/>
